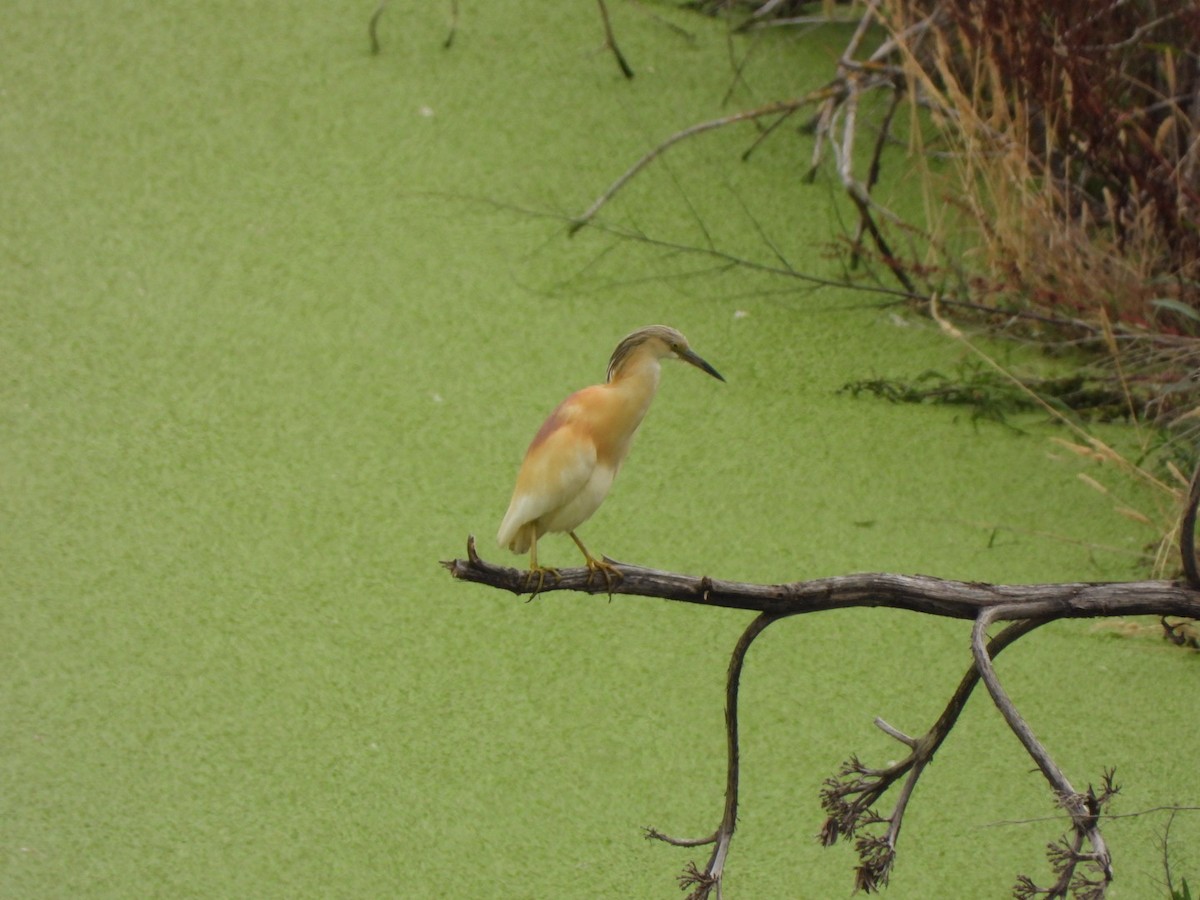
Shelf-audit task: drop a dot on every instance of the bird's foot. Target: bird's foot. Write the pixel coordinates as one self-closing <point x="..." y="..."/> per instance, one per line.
<point x="537" y="576"/>
<point x="611" y="574"/>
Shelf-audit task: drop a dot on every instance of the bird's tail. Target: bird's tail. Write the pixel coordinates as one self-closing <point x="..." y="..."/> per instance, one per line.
<point x="517" y="538"/>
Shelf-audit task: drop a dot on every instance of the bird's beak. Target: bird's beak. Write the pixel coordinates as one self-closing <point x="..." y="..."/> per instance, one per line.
<point x="689" y="357"/>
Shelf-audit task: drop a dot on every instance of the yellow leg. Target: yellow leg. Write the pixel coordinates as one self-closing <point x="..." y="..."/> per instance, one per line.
<point x="537" y="573"/>
<point x="611" y="573"/>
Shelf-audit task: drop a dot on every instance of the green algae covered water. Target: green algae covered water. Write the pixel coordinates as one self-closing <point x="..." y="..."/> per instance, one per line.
<point x="275" y="332"/>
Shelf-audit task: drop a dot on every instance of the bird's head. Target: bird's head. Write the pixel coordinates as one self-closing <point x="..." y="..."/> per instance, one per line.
<point x="660" y="342"/>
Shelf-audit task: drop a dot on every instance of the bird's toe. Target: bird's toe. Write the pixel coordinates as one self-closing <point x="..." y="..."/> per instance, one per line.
<point x="535" y="579"/>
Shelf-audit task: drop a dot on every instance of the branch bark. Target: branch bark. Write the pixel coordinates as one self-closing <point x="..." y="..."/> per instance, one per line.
<point x="1084" y="809"/>
<point x="916" y="593"/>
<point x="1082" y="864"/>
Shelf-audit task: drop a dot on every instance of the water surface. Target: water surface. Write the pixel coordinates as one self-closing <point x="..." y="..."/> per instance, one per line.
<point x="267" y="359"/>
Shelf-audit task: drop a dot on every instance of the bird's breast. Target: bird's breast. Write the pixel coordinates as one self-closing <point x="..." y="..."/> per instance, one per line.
<point x="616" y="415"/>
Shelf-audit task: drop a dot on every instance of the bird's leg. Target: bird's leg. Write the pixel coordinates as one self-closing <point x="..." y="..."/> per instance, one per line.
<point x="611" y="573"/>
<point x="537" y="573"/>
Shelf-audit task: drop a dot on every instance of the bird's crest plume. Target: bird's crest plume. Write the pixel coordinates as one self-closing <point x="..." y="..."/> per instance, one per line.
<point x="667" y="335"/>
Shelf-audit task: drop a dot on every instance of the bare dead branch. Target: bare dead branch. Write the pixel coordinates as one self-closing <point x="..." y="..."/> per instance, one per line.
<point x="708" y="880"/>
<point x="837" y="103"/>
<point x="771" y="109"/>
<point x="916" y="593"/>
<point x="849" y="797"/>
<point x="1083" y="808"/>
<point x="1081" y="862"/>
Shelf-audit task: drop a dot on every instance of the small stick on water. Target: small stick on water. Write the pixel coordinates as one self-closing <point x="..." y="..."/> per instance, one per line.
<point x="610" y="41"/>
<point x="373" y="26"/>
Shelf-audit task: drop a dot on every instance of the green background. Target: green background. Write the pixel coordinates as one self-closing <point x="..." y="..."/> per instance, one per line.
<point x="273" y="338"/>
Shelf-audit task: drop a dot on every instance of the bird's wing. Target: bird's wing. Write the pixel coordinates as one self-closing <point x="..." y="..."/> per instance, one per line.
<point x="557" y="466"/>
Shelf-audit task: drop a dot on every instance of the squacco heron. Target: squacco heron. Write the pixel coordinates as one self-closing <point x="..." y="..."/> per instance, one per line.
<point x="574" y="457"/>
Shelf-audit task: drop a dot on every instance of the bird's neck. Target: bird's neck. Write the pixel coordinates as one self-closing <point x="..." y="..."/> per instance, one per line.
<point x="636" y="384"/>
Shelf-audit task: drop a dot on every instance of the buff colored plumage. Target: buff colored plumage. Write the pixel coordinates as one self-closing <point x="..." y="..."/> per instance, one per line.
<point x="573" y="459"/>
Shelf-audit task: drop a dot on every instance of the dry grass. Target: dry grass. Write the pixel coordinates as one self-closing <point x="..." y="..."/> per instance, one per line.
<point x="1075" y="131"/>
<point x="1072" y="133"/>
<point x="1058" y="145"/>
<point x="1062" y="172"/>
<point x="1062" y="186"/>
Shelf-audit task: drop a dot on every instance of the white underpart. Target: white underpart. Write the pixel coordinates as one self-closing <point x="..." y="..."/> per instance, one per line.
<point x="580" y="508"/>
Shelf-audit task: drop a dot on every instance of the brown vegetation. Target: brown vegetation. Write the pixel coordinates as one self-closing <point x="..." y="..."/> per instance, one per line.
<point x="1064" y="166"/>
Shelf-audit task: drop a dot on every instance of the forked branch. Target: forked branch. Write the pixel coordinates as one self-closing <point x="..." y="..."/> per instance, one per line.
<point x="849" y="797"/>
<point x="835" y="108"/>
<point x="1082" y="863"/>
<point x="1068" y="858"/>
<point x="783" y="108"/>
<point x="704" y="882"/>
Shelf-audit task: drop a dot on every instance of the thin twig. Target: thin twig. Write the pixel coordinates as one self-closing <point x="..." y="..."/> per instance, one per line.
<point x="1187" y="532"/>
<point x="610" y="40"/>
<point x="1036" y="820"/>
<point x="453" y="24"/>
<point x="771" y="109"/>
<point x="1079" y="807"/>
<point x="710" y="878"/>
<point x="373" y="26"/>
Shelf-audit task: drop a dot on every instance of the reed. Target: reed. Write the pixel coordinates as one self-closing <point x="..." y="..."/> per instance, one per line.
<point x="1073" y="133"/>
